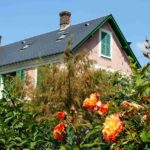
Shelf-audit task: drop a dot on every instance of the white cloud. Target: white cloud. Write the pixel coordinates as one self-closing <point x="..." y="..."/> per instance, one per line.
<point x="140" y="46"/>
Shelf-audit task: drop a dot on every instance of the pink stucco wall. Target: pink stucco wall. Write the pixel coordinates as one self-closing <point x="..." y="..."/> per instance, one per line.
<point x="32" y="76"/>
<point x="119" y="60"/>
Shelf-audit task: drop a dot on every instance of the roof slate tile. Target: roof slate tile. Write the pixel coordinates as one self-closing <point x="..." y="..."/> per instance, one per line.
<point x="46" y="44"/>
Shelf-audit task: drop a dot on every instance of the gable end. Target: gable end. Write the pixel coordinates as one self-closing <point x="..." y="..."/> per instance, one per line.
<point x="110" y="19"/>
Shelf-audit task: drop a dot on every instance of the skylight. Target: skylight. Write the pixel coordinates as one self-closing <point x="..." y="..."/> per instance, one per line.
<point x="87" y="24"/>
<point x="24" y="47"/>
<point x="23" y="42"/>
<point x="61" y="37"/>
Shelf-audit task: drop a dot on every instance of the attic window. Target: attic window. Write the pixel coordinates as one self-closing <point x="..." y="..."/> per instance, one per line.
<point x="24" y="47"/>
<point x="23" y="42"/>
<point x="105" y="44"/>
<point x="61" y="37"/>
<point x="87" y="24"/>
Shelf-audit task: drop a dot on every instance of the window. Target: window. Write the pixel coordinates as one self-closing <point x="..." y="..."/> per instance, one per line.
<point x="1" y="86"/>
<point x="105" y="44"/>
<point x="20" y="74"/>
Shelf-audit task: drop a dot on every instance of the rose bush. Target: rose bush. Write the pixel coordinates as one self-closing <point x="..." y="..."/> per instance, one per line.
<point x="112" y="127"/>
<point x="118" y="118"/>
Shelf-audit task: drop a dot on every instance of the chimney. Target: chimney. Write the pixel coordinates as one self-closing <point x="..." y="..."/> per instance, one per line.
<point x="64" y="19"/>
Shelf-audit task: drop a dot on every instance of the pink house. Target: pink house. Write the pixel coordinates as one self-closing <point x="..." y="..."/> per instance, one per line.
<point x="102" y="37"/>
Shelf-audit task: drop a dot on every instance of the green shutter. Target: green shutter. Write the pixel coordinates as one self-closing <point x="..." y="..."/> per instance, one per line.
<point x="108" y="45"/>
<point x="2" y="94"/>
<point x="0" y="80"/>
<point x="20" y="74"/>
<point x="103" y="34"/>
<point x="105" y="44"/>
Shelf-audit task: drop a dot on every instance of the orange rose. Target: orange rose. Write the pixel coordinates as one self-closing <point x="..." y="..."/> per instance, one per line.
<point x="112" y="127"/>
<point x="118" y="148"/>
<point x="103" y="109"/>
<point x="61" y="115"/>
<point x="93" y="102"/>
<point x="58" y="131"/>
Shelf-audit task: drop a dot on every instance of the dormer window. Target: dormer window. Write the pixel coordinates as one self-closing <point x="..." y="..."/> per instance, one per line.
<point x="105" y="44"/>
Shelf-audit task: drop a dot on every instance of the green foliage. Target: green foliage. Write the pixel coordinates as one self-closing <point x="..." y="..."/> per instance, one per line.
<point x="15" y="87"/>
<point x="70" y="137"/>
<point x="29" y="125"/>
<point x="93" y="138"/>
<point x="69" y="85"/>
<point x="145" y="136"/>
<point x="20" y="128"/>
<point x="141" y="81"/>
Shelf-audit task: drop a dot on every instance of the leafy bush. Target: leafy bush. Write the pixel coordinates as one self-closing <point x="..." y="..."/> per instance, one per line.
<point x="20" y="128"/>
<point x="118" y="115"/>
<point x="69" y="85"/>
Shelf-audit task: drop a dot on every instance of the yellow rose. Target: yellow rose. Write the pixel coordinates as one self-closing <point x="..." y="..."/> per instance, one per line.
<point x="93" y="102"/>
<point x="112" y="127"/>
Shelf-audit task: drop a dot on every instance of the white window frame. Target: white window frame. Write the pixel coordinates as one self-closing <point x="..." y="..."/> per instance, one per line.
<point x="36" y="77"/>
<point x="100" y="49"/>
<point x="1" y="86"/>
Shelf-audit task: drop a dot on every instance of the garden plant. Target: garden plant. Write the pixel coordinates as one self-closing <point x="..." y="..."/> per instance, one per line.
<point x="76" y="107"/>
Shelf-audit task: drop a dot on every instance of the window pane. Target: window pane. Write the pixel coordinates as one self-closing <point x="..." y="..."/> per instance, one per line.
<point x="105" y="43"/>
<point x="20" y="74"/>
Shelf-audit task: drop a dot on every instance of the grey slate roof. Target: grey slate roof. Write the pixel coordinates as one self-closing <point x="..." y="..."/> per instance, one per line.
<point x="45" y="44"/>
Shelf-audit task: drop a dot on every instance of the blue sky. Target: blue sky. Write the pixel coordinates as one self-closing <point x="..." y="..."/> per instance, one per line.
<point x="20" y="19"/>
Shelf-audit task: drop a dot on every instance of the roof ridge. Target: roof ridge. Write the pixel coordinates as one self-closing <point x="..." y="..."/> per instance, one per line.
<point x="53" y="31"/>
<point x="92" y="20"/>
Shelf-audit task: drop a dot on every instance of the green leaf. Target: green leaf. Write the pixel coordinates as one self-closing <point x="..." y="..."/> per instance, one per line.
<point x="17" y="139"/>
<point x="90" y="134"/>
<point x="19" y="125"/>
<point x="2" y="141"/>
<point x="145" y="136"/>
<point x="32" y="145"/>
<point x="23" y="142"/>
<point x="8" y="119"/>
<point x="70" y="137"/>
<point x="62" y="148"/>
<point x="76" y="148"/>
